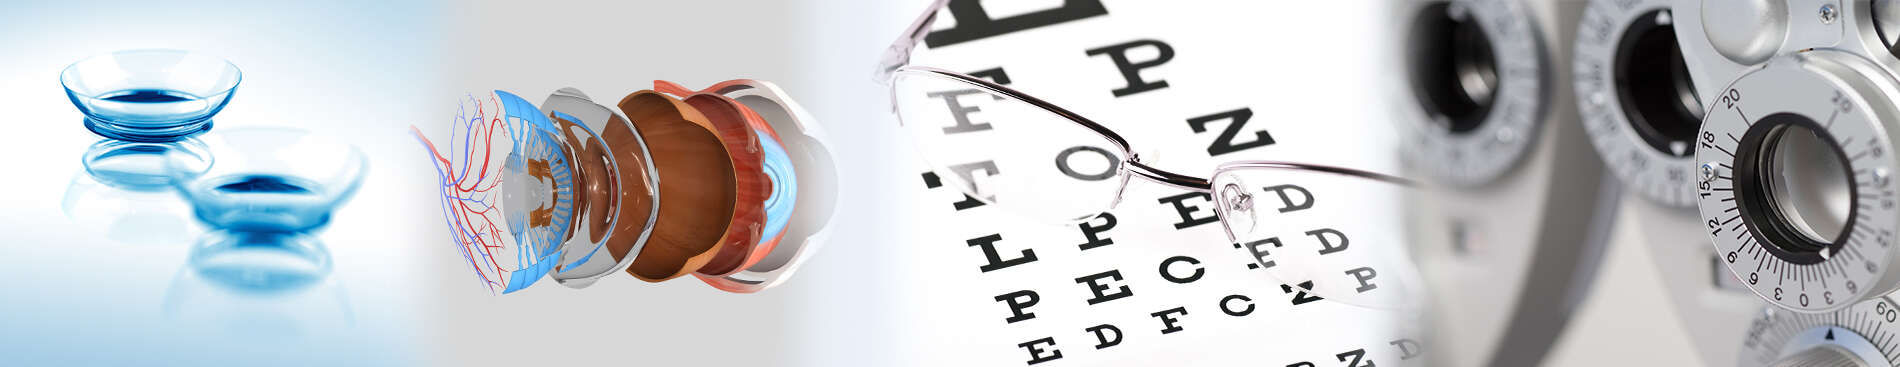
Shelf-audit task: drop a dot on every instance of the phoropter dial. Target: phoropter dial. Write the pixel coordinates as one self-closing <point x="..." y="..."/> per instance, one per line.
<point x="1635" y="97"/>
<point x="1795" y="188"/>
<point x="1862" y="335"/>
<point x="1477" y="71"/>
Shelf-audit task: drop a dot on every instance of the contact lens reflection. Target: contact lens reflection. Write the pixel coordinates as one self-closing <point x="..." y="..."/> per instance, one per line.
<point x="260" y="262"/>
<point x="263" y="284"/>
<point x="144" y="166"/>
<point x="127" y="215"/>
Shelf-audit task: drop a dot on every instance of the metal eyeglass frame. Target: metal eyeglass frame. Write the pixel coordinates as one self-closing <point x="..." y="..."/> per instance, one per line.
<point x="896" y="61"/>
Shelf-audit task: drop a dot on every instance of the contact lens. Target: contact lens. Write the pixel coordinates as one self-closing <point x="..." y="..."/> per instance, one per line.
<point x="267" y="179"/>
<point x="150" y="95"/>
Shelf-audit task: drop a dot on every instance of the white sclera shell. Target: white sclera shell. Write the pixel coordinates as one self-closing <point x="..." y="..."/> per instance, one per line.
<point x="810" y="224"/>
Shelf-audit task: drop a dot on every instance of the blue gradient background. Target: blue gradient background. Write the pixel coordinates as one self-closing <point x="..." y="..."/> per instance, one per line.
<point x="97" y="276"/>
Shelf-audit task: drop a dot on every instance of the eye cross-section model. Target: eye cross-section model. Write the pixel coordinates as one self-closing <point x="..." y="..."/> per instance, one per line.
<point x="731" y="184"/>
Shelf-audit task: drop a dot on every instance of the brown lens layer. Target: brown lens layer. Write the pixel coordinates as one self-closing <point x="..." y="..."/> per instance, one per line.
<point x="698" y="189"/>
<point x="734" y="123"/>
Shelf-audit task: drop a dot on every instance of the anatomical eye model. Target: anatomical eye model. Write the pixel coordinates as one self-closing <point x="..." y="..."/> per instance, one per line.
<point x="732" y="185"/>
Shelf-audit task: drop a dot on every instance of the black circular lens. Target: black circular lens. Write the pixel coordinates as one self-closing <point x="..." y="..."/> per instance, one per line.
<point x="1793" y="188"/>
<point x="1454" y="70"/>
<point x="1652" y="83"/>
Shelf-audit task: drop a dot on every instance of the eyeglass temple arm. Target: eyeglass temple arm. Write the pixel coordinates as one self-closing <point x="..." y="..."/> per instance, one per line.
<point x="898" y="54"/>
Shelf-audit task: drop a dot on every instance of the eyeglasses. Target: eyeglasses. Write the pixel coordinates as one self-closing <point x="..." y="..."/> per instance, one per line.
<point x="1305" y="224"/>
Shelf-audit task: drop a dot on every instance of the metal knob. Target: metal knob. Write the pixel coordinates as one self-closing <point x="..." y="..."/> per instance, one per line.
<point x="1822" y="356"/>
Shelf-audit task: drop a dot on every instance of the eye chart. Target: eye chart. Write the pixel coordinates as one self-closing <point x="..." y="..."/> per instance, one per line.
<point x="1191" y="84"/>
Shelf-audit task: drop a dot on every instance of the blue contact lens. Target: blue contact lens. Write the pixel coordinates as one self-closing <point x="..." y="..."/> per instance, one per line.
<point x="150" y="95"/>
<point x="268" y="179"/>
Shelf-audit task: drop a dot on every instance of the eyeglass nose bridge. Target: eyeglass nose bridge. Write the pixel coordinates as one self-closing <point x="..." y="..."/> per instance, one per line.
<point x="1136" y="168"/>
